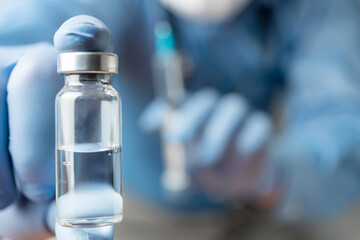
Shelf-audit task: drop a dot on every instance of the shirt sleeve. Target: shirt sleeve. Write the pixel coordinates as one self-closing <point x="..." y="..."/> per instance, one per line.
<point x="315" y="158"/>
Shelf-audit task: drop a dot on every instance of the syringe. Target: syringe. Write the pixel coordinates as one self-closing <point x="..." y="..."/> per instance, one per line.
<point x="169" y="85"/>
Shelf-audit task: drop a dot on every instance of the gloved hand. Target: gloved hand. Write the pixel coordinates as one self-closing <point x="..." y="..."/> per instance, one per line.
<point x="225" y="140"/>
<point x="28" y="86"/>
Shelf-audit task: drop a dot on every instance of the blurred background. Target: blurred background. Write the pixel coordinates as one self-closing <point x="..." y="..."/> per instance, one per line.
<point x="144" y="217"/>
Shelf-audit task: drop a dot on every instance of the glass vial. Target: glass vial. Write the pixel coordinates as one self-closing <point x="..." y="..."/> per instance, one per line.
<point x="88" y="142"/>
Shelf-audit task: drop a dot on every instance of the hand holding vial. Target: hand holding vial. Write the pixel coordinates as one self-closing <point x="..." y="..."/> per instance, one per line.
<point x="28" y="86"/>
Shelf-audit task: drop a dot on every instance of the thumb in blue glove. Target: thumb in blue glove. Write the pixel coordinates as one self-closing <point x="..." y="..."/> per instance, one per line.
<point x="26" y="89"/>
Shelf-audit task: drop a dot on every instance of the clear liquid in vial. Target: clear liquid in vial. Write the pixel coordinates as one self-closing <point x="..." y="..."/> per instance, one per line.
<point x="89" y="185"/>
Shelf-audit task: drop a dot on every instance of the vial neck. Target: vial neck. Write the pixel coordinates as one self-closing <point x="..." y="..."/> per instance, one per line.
<point x="87" y="78"/>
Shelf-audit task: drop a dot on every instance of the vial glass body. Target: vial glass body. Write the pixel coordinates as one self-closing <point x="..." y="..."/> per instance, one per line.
<point x="88" y="152"/>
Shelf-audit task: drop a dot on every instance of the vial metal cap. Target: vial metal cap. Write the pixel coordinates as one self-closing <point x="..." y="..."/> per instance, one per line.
<point x="87" y="62"/>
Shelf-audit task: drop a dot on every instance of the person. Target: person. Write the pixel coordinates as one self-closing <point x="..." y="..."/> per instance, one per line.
<point x="244" y="54"/>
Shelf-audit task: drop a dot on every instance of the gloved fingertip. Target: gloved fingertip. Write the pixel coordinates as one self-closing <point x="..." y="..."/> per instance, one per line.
<point x="255" y="132"/>
<point x="38" y="192"/>
<point x="83" y="33"/>
<point x="209" y="155"/>
<point x="153" y="116"/>
<point x="225" y="119"/>
<point x="100" y="233"/>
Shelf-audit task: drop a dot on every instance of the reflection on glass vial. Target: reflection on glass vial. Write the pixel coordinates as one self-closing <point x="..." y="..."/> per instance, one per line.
<point x="89" y="185"/>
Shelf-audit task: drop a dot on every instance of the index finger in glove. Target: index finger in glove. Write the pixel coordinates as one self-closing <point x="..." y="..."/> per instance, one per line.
<point x="253" y="136"/>
<point x="8" y="59"/>
<point x="32" y="88"/>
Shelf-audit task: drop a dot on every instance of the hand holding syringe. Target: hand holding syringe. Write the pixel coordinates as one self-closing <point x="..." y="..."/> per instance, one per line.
<point x="220" y="137"/>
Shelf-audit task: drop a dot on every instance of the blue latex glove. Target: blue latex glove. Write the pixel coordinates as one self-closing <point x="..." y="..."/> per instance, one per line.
<point x="225" y="140"/>
<point x="28" y="86"/>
